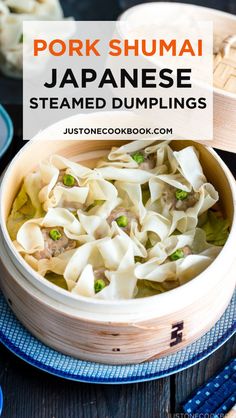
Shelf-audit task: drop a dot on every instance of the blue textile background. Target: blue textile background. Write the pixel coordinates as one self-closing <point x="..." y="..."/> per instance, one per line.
<point x="217" y="396"/>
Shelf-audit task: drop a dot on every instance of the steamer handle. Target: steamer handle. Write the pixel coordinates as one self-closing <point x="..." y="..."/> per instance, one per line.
<point x="227" y="44"/>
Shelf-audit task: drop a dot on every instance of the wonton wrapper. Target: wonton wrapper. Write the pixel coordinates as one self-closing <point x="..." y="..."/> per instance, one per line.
<point x="116" y="184"/>
<point x="85" y="284"/>
<point x="120" y="157"/>
<point x="181" y="270"/>
<point x="54" y="193"/>
<point x="122" y="285"/>
<point x="129" y="175"/>
<point x="190" y="167"/>
<point x="30" y="238"/>
<point x="184" y="221"/>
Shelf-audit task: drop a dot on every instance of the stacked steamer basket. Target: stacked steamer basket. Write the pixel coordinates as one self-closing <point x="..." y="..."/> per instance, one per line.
<point x="115" y="332"/>
<point x="225" y="87"/>
<point x="225" y="65"/>
<point x="224" y="77"/>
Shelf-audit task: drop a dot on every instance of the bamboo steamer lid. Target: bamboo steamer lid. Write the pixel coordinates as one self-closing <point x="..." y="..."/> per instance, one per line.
<point x="224" y="92"/>
<point x="225" y="65"/>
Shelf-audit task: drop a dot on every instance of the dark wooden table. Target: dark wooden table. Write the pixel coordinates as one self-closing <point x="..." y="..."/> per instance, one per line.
<point x="30" y="393"/>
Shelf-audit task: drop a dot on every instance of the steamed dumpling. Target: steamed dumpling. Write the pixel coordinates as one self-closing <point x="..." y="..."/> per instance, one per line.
<point x="12" y="15"/>
<point x="138" y="224"/>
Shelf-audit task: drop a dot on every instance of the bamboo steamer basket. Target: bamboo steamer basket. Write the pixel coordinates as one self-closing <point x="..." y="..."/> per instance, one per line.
<point x="115" y="332"/>
<point x="224" y="68"/>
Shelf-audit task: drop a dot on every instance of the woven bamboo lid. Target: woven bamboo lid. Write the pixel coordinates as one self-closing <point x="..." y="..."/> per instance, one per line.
<point x="225" y="65"/>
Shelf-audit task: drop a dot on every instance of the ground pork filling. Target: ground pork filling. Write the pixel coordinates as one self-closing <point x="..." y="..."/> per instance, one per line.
<point x="122" y="217"/>
<point x="169" y="198"/>
<point x="145" y="161"/>
<point x="53" y="248"/>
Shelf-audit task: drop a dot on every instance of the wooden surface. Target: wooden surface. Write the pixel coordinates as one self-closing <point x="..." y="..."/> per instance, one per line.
<point x="30" y="393"/>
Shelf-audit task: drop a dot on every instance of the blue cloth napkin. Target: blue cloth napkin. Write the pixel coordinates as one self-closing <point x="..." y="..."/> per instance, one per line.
<point x="216" y="397"/>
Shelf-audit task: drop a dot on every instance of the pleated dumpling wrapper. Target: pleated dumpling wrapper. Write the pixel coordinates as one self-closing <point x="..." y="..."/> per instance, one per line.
<point x="144" y="220"/>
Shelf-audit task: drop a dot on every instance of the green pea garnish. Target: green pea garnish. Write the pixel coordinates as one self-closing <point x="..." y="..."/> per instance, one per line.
<point x="68" y="180"/>
<point x="138" y="157"/>
<point x="177" y="255"/>
<point x="99" y="285"/>
<point x="122" y="221"/>
<point x="54" y="234"/>
<point x="181" y="194"/>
